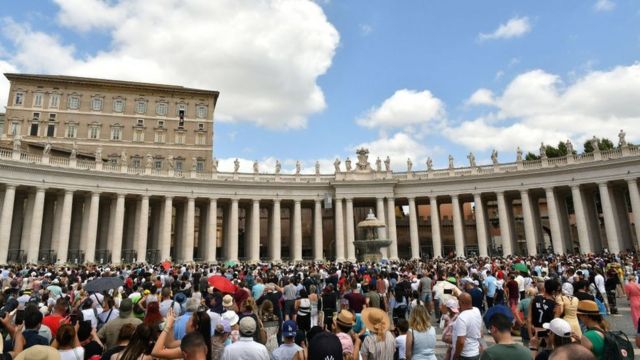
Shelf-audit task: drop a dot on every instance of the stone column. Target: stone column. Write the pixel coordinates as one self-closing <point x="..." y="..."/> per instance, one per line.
<point x="25" y="237"/>
<point x="529" y="223"/>
<point x="557" y="236"/>
<point x="57" y="217"/>
<point x="165" y="233"/>
<point x="6" y="221"/>
<point x="382" y="231"/>
<point x="143" y="229"/>
<point x="584" y="238"/>
<point x="634" y="196"/>
<point x="296" y="240"/>
<point x="458" y="229"/>
<point x="275" y="242"/>
<point x="339" y="227"/>
<point x="351" y="236"/>
<point x="211" y="241"/>
<point x="36" y="226"/>
<point x="189" y="233"/>
<point x="62" y="247"/>
<point x="317" y="230"/>
<point x="118" y="227"/>
<point x="233" y="231"/>
<point x="609" y="218"/>
<point x="391" y="210"/>
<point x="435" y="227"/>
<point x="504" y="215"/>
<point x="481" y="226"/>
<point x="413" y="229"/>
<point x="254" y="241"/>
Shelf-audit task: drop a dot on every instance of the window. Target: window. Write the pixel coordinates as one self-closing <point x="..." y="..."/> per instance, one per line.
<point x="37" y="100"/>
<point x="201" y="126"/>
<point x="1" y="127"/>
<point x="15" y="128"/>
<point x="51" y="130"/>
<point x="116" y="133"/>
<point x="141" y="107"/>
<point x="19" y="100"/>
<point x="179" y="165"/>
<point x="160" y="123"/>
<point x="113" y="159"/>
<point x="140" y="122"/>
<point x="200" y="139"/>
<point x="179" y="138"/>
<point x="74" y="102"/>
<point x="201" y="112"/>
<point x="33" y="131"/>
<point x="161" y="109"/>
<point x="200" y="166"/>
<point x="160" y="137"/>
<point x="36" y="116"/>
<point x="181" y="107"/>
<point x="52" y="117"/>
<point x="138" y="136"/>
<point x="96" y="104"/>
<point x="54" y="101"/>
<point x="135" y="162"/>
<point x="72" y="131"/>
<point x="118" y="105"/>
<point x="94" y="132"/>
<point x="157" y="164"/>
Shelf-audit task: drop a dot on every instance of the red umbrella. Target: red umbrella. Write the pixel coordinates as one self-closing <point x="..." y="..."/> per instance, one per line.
<point x="166" y="265"/>
<point x="222" y="283"/>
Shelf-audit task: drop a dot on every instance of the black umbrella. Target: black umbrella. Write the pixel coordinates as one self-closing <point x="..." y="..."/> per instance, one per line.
<point x="103" y="283"/>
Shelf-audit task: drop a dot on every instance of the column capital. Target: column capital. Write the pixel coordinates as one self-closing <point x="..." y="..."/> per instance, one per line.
<point x="41" y="188"/>
<point x="454" y="196"/>
<point x="68" y="191"/>
<point x="215" y="200"/>
<point x="549" y="189"/>
<point x="276" y="200"/>
<point x="96" y="193"/>
<point x="629" y="181"/>
<point x="603" y="183"/>
<point x="120" y="195"/>
<point x="10" y="186"/>
<point x="144" y="196"/>
<point x="575" y="187"/>
<point x="255" y="201"/>
<point x="316" y="200"/>
<point x="349" y="199"/>
<point x="168" y="198"/>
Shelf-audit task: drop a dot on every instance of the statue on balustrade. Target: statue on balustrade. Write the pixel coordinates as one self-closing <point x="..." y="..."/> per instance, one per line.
<point x="472" y="160"/>
<point x="236" y="166"/>
<point x="429" y="164"/>
<point x="278" y="167"/>
<point x="409" y="164"/>
<point x="194" y="164"/>
<point x="47" y="149"/>
<point x="170" y="162"/>
<point x="298" y="167"/>
<point x="17" y="143"/>
<point x="256" y="168"/>
<point x="74" y="151"/>
<point x="387" y="164"/>
<point x="519" y="154"/>
<point x="317" y="167"/>
<point x="378" y="164"/>
<point x="214" y="165"/>
<point x="363" y="160"/>
<point x="621" y="138"/>
<point x="123" y="158"/>
<point x="543" y="151"/>
<point x="99" y="154"/>
<point x="594" y="143"/>
<point x="569" y="147"/>
<point x="336" y="165"/>
<point x="494" y="157"/>
<point x="148" y="161"/>
<point x="450" y="161"/>
<point x="347" y="163"/>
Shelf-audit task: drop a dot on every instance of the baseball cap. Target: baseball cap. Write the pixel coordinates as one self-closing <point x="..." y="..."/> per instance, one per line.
<point x="289" y="328"/>
<point x="247" y="326"/>
<point x="453" y="305"/>
<point x="325" y="346"/>
<point x="559" y="327"/>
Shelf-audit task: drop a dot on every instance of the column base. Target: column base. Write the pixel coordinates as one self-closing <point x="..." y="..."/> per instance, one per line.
<point x="341" y="259"/>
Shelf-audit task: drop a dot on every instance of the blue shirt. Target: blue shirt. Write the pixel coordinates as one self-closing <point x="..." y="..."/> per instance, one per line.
<point x="491" y="284"/>
<point x="180" y="326"/>
<point x="257" y="290"/>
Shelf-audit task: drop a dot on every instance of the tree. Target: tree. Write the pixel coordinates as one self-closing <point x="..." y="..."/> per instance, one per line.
<point x="531" y="156"/>
<point x="603" y="144"/>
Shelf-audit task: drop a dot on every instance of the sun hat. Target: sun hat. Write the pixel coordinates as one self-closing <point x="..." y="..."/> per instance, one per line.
<point x="588" y="307"/>
<point x="345" y="318"/>
<point x="376" y="320"/>
<point x="452" y="304"/>
<point x="231" y="317"/>
<point x="247" y="326"/>
<point x="227" y="301"/>
<point x="289" y="328"/>
<point x="559" y="327"/>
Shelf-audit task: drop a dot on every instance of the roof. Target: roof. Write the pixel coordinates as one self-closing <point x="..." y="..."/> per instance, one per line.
<point x="109" y="82"/>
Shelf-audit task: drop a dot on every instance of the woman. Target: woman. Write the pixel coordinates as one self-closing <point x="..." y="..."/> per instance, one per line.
<point x="523" y="314"/>
<point x="567" y="307"/>
<point x="593" y="338"/>
<point x="67" y="342"/>
<point x="632" y="289"/>
<point x="303" y="308"/>
<point x="153" y="318"/>
<point x="167" y="347"/>
<point x="421" y="337"/>
<point x="271" y="325"/>
<point x="450" y="311"/>
<point x="249" y="308"/>
<point x="316" y="306"/>
<point x="138" y="347"/>
<point x="559" y="333"/>
<point x="380" y="344"/>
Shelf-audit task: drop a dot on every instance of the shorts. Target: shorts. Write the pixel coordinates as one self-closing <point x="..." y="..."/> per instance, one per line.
<point x="289" y="308"/>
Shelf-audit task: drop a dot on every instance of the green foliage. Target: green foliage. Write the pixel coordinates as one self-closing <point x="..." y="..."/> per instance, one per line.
<point x="531" y="156"/>
<point x="603" y="144"/>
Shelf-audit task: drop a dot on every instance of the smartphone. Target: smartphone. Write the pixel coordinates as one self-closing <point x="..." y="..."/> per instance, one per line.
<point x="75" y="316"/>
<point x="448" y="291"/>
<point x="19" y="319"/>
<point x="541" y="333"/>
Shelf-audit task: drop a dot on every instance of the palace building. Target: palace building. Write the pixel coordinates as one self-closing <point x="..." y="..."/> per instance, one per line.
<point x="152" y="191"/>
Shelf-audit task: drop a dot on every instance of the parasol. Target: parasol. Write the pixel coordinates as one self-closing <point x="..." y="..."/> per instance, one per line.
<point x="520" y="267"/>
<point x="222" y="283"/>
<point x="103" y="283"/>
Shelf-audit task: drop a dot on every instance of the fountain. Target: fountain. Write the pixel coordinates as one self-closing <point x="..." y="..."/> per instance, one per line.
<point x="369" y="248"/>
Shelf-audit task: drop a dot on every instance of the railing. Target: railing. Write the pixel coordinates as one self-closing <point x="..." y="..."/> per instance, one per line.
<point x="4" y="153"/>
<point x="111" y="167"/>
<point x="103" y="256"/>
<point x="75" y="256"/>
<point x="557" y="161"/>
<point x="33" y="158"/>
<point x="60" y="161"/>
<point x="532" y="164"/>
<point x="47" y="256"/>
<point x="16" y="256"/>
<point x="129" y="255"/>
<point x="153" y="256"/>
<point x="86" y="164"/>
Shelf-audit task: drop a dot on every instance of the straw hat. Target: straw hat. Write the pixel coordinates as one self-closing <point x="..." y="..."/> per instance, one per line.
<point x="345" y="318"/>
<point x="588" y="307"/>
<point x="227" y="301"/>
<point x="375" y="320"/>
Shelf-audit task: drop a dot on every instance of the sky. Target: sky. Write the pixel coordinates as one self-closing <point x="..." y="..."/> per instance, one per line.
<point x="315" y="80"/>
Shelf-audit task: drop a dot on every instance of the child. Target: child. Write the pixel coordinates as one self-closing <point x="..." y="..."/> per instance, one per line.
<point x="401" y="339"/>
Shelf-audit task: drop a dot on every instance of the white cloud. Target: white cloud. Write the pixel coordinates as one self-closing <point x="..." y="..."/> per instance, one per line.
<point x="5" y="67"/>
<point x="264" y="58"/>
<point x="365" y="29"/>
<point x="405" y="108"/>
<point x="515" y="27"/>
<point x="399" y="148"/>
<point x="481" y="97"/>
<point x="604" y="5"/>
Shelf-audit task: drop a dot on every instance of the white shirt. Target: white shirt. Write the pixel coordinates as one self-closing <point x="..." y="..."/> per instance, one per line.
<point x="401" y="345"/>
<point x="599" y="281"/>
<point x="245" y="348"/>
<point x="72" y="354"/>
<point x="469" y="325"/>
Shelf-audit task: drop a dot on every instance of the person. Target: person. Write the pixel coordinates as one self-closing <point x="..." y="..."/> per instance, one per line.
<point x="567" y="307"/>
<point x="220" y="336"/>
<point x="316" y="306"/>
<point x="511" y="290"/>
<point x="357" y="301"/>
<point x="323" y="346"/>
<point x="467" y="330"/>
<point x="32" y="322"/>
<point x="632" y="289"/>
<point x="450" y="311"/>
<point x="152" y="316"/>
<point x="401" y="340"/>
<point x="571" y="352"/>
<point x="67" y="343"/>
<point x="109" y="332"/>
<point x="288" y="349"/>
<point x="194" y="347"/>
<point x="543" y="307"/>
<point x="523" y="308"/>
<point x="505" y="348"/>
<point x="109" y="311"/>
<point x="124" y="337"/>
<point x="372" y="297"/>
<point x="245" y="348"/>
<point x="380" y="344"/>
<point x="89" y="340"/>
<point x="425" y="291"/>
<point x="343" y="323"/>
<point x="329" y="301"/>
<point x="270" y="324"/>
<point x="303" y="311"/>
<point x="289" y="294"/>
<point x="138" y="346"/>
<point x="491" y="284"/>
<point x="558" y="334"/>
<point x="166" y="346"/>
<point x="55" y="319"/>
<point x="421" y="339"/>
<point x="180" y="326"/>
<point x="611" y="284"/>
<point x="593" y="338"/>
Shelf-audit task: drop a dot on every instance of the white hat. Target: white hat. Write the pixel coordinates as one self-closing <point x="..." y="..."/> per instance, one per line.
<point x="559" y="327"/>
<point x="231" y="317"/>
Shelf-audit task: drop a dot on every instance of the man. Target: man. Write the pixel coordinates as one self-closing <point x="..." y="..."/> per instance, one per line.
<point x="257" y="289"/>
<point x="467" y="330"/>
<point x="289" y="348"/>
<point x="290" y="294"/>
<point x="109" y="332"/>
<point x="573" y="351"/>
<point x="180" y="326"/>
<point x="108" y="313"/>
<point x="372" y="296"/>
<point x="54" y="320"/>
<point x="356" y="300"/>
<point x="32" y="322"/>
<point x="424" y="287"/>
<point x="490" y="284"/>
<point x="245" y="347"/>
<point x="505" y="347"/>
<point x="167" y="301"/>
<point x="193" y="347"/>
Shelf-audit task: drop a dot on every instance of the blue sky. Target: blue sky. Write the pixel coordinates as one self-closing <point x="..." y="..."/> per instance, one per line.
<point x="314" y="80"/>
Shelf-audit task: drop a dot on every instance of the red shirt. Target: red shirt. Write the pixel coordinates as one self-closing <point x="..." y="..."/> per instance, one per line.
<point x="356" y="301"/>
<point x="53" y="322"/>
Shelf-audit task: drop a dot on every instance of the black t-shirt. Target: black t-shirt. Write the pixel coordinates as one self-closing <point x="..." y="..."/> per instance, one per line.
<point x="92" y="348"/>
<point x="542" y="310"/>
<point x="114" y="350"/>
<point x="611" y="283"/>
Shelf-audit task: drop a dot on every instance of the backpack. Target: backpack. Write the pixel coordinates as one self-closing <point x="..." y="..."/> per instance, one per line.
<point x="616" y="345"/>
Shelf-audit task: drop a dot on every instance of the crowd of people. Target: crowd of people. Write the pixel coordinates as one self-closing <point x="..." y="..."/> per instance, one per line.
<point x="551" y="307"/>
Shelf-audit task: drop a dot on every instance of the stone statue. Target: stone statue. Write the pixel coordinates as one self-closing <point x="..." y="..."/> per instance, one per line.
<point x="450" y="161"/>
<point x="569" y="147"/>
<point x="317" y="167"/>
<point x="17" y="143"/>
<point x="149" y="161"/>
<point x="214" y="165"/>
<point x="429" y="164"/>
<point x="519" y="154"/>
<point x="594" y="143"/>
<point x="378" y="164"/>
<point x="363" y="160"/>
<point x="409" y="164"/>
<point x="543" y="151"/>
<point x="170" y="162"/>
<point x="123" y="158"/>
<point x="194" y="164"/>
<point x="278" y="167"/>
<point x="347" y="163"/>
<point x="99" y="154"/>
<point x="47" y="149"/>
<point x="494" y="157"/>
<point x="336" y="165"/>
<point x="621" y="138"/>
<point x="472" y="160"/>
<point x="74" y="151"/>
<point x="298" y="167"/>
<point x="236" y="165"/>
<point x="387" y="164"/>
<point x="255" y="167"/>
